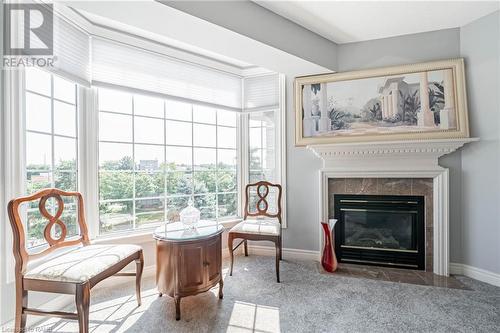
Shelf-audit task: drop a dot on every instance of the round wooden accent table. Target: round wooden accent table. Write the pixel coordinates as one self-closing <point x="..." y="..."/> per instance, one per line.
<point x="188" y="261"/>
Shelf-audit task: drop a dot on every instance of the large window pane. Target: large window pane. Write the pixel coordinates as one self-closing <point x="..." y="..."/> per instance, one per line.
<point x="64" y="153"/>
<point x="115" y="101"/>
<point x="226" y="137"/>
<point x="179" y="158"/>
<point x="207" y="205"/>
<point x="262" y="153"/>
<point x="66" y="180"/>
<point x="148" y="106"/>
<point x="149" y="130"/>
<point x="178" y="110"/>
<point x="179" y="183"/>
<point x="227" y="181"/>
<point x="64" y="119"/>
<point x="38" y="81"/>
<point x="179" y="133"/>
<point x="226" y="118"/>
<point x="255" y="137"/>
<point x="38" y="151"/>
<point x="205" y="182"/>
<point x="174" y="207"/>
<point x="203" y="114"/>
<point x="64" y="90"/>
<point x="204" y="158"/>
<point x="116" y="185"/>
<point x="226" y="159"/>
<point x="38" y="180"/>
<point x="204" y="135"/>
<point x="227" y="204"/>
<point x="149" y="157"/>
<point x="149" y="211"/>
<point x="149" y="184"/>
<point x="38" y="113"/>
<point x="116" y="216"/>
<point x="115" y="156"/>
<point x="115" y="127"/>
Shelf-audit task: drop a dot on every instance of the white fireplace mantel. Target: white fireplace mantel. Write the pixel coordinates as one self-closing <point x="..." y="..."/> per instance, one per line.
<point x="401" y="159"/>
<point x="389" y="155"/>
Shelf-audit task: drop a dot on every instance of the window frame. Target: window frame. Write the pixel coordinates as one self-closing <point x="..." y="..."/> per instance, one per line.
<point x="24" y="131"/>
<point x="165" y="196"/>
<point x="280" y="147"/>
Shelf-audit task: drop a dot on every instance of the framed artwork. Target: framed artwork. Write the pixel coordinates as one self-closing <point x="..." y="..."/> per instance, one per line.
<point x="409" y="102"/>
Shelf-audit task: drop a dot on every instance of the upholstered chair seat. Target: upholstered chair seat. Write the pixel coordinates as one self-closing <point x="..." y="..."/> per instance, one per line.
<point x="81" y="264"/>
<point x="264" y="226"/>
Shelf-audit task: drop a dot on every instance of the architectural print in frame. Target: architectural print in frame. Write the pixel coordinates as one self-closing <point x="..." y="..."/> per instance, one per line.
<point x="420" y="101"/>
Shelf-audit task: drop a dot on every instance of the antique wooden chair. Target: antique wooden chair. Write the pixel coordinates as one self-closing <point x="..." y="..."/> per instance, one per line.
<point x="75" y="271"/>
<point x="265" y="226"/>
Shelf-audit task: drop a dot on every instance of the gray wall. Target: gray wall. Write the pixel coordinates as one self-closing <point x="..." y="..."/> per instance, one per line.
<point x="480" y="243"/>
<point x="256" y="22"/>
<point x="474" y="201"/>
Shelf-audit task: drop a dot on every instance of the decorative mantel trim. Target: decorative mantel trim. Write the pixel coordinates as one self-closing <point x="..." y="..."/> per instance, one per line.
<point x="397" y="155"/>
<point x="402" y="159"/>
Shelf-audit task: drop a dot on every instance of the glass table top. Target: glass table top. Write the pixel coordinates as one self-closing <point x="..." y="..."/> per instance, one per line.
<point x="176" y="231"/>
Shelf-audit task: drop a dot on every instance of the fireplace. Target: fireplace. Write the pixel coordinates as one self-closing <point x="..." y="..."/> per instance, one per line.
<point x="382" y="230"/>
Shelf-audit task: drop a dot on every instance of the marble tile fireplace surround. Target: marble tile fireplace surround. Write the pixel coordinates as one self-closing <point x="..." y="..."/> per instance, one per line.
<point x="394" y="168"/>
<point x="389" y="186"/>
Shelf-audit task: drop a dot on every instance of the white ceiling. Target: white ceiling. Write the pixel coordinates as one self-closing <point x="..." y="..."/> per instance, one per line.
<point x="353" y="21"/>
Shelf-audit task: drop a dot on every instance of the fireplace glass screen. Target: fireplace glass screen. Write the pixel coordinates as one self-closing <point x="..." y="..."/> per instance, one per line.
<point x="379" y="229"/>
<point x="383" y="230"/>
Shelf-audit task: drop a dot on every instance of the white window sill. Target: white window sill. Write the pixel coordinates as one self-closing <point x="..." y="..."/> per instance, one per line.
<point x="144" y="236"/>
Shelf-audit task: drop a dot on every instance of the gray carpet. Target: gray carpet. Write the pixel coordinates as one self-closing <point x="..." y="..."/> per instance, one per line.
<point x="305" y="301"/>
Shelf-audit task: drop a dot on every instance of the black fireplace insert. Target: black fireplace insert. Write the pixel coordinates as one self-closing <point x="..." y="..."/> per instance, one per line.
<point x="380" y="230"/>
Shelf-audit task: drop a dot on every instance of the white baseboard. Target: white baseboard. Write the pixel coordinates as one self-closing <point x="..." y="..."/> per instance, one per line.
<point x="475" y="273"/>
<point x="287" y="253"/>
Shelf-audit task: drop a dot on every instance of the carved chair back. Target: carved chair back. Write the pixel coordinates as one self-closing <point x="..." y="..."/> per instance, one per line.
<point x="21" y="254"/>
<point x="262" y="191"/>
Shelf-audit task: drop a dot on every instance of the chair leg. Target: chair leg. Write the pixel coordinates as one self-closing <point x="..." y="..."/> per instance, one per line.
<point x="82" y="306"/>
<point x="230" y="248"/>
<point x="281" y="248"/>
<point x="278" y="255"/>
<point x="246" y="247"/>
<point x="139" y="265"/>
<point x="221" y="286"/>
<point x="21" y="303"/>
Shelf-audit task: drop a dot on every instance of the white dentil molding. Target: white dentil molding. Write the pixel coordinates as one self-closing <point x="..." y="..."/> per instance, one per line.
<point x="405" y="159"/>
<point x="388" y="155"/>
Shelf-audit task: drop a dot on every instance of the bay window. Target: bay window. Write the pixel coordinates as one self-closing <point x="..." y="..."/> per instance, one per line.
<point x="156" y="154"/>
<point x="141" y="141"/>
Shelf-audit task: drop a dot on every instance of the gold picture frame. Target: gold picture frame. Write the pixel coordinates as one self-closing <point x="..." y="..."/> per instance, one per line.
<point x="383" y="104"/>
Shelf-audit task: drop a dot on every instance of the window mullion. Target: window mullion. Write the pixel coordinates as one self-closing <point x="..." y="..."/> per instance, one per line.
<point x="216" y="166"/>
<point x="165" y="171"/>
<point x="133" y="167"/>
<point x="52" y="139"/>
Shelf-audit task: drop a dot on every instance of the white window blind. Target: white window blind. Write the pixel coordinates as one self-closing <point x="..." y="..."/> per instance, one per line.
<point x="126" y="66"/>
<point x="261" y="93"/>
<point x="72" y="51"/>
<point x="71" y="48"/>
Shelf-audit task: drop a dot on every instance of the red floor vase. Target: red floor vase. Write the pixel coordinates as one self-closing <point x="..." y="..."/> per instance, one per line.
<point x="328" y="259"/>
